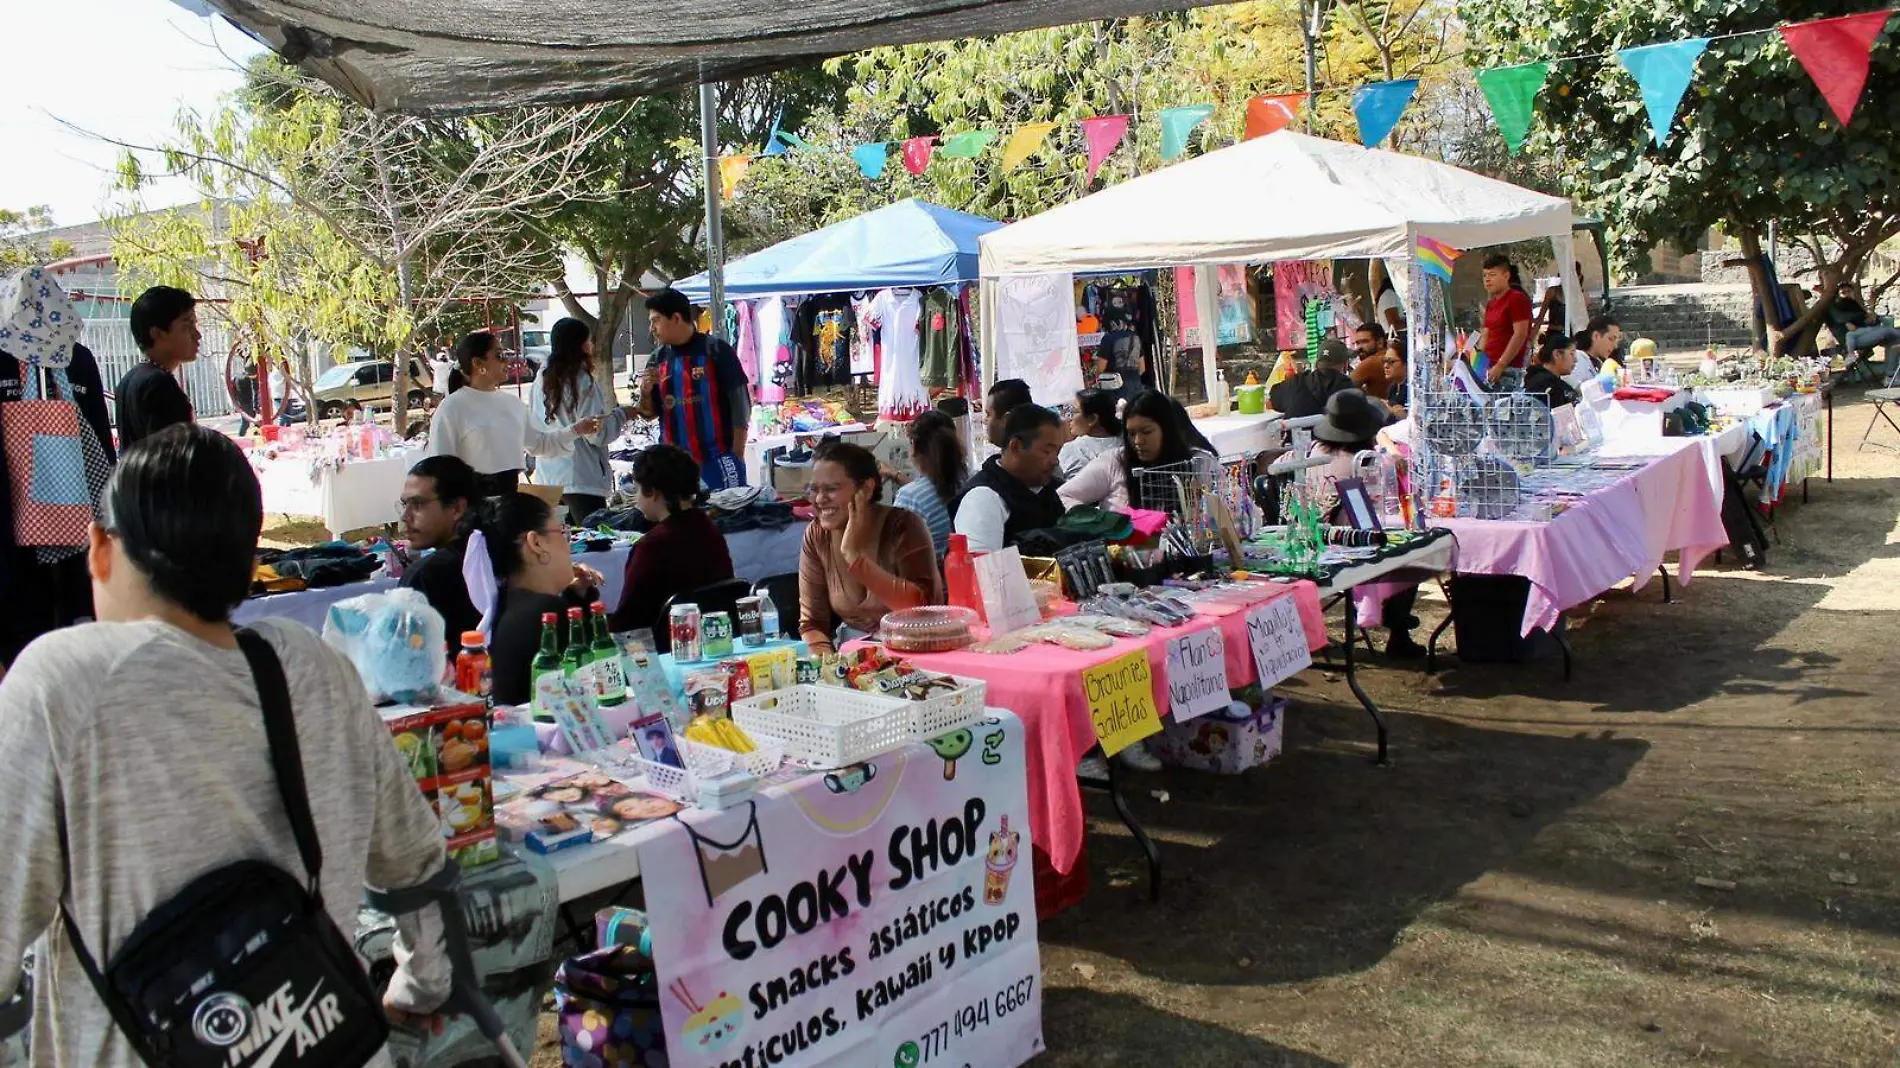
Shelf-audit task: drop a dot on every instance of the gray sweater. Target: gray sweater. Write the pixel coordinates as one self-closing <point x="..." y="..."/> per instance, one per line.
<point x="148" y="745"/>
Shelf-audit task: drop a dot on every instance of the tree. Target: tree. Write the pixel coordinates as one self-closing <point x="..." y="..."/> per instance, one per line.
<point x="1753" y="142"/>
<point x="447" y="211"/>
<point x="19" y="245"/>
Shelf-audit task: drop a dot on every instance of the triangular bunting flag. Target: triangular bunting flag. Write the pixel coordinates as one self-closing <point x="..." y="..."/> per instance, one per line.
<point x="1268" y="114"/>
<point x="1834" y="53"/>
<point x="917" y="153"/>
<point x="967" y="145"/>
<point x="1378" y="107"/>
<point x="1177" y="124"/>
<point x="1663" y="73"/>
<point x="731" y="171"/>
<point x="1510" y="91"/>
<point x="773" y="146"/>
<point x="870" y="159"/>
<point x="787" y="138"/>
<point x="1102" y="135"/>
<point x="1024" y="142"/>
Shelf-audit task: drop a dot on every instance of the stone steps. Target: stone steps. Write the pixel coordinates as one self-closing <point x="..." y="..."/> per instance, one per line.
<point x="1687" y="317"/>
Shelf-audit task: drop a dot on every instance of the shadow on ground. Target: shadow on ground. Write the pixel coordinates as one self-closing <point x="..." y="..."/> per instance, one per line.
<point x="1126" y="1030"/>
<point x="1312" y="866"/>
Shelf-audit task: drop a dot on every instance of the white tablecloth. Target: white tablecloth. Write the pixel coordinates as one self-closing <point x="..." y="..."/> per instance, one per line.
<point x="360" y="494"/>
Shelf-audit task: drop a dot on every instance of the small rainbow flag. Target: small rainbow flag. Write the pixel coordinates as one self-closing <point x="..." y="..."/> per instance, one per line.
<point x="1435" y="257"/>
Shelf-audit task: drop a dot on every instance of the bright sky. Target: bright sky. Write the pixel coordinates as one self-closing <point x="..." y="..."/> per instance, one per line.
<point x="120" y="68"/>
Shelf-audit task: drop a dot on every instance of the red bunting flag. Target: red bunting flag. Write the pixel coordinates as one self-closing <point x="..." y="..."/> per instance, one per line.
<point x="1834" y="53"/>
<point x="1103" y="134"/>
<point x="1268" y="114"/>
<point x="917" y="153"/>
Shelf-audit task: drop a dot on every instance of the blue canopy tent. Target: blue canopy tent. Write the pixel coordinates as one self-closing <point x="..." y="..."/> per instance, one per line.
<point x="909" y="243"/>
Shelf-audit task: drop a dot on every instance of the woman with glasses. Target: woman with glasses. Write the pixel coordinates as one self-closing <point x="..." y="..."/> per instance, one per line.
<point x="1398" y="378"/>
<point x="488" y="428"/>
<point x="535" y="574"/>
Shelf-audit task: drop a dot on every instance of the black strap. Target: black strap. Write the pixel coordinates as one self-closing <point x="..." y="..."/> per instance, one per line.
<point x="280" y="730"/>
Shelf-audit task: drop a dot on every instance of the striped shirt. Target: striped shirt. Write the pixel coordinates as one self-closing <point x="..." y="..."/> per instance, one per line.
<point x="919" y="496"/>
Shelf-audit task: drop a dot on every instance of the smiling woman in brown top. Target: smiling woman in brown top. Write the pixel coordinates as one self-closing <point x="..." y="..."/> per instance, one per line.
<point x="861" y="559"/>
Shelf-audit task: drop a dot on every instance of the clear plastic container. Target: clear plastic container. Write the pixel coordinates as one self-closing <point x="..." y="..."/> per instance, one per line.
<point x="928" y="629"/>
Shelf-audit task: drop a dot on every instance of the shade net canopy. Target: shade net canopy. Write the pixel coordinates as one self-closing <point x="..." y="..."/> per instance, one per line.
<point x="1285" y="196"/>
<point x="909" y="243"/>
<point x="441" y="56"/>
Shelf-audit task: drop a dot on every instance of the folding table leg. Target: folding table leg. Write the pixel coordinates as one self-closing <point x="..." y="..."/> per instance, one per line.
<point x="1352" y="680"/>
<point x="1134" y="827"/>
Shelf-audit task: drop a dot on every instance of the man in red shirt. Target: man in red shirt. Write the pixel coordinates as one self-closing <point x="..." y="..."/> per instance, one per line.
<point x="1507" y="324"/>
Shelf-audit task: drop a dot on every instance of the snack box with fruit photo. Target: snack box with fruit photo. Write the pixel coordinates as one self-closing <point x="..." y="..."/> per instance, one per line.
<point x="445" y="746"/>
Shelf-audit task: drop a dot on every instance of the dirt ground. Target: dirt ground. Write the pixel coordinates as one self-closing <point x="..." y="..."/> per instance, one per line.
<point x="1518" y="887"/>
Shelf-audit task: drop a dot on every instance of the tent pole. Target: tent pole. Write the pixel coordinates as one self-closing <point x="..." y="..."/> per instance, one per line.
<point x="715" y="235"/>
<point x="1309" y="30"/>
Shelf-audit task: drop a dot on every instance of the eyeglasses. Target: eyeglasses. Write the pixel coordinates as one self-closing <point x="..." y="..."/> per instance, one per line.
<point x="1389" y="361"/>
<point x="405" y="505"/>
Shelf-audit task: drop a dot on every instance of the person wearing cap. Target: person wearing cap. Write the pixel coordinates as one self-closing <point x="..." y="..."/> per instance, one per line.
<point x="1306" y="393"/>
<point x="1351" y="427"/>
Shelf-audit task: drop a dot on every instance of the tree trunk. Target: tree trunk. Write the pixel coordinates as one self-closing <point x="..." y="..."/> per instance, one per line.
<point x="1758" y="282"/>
<point x="404" y="289"/>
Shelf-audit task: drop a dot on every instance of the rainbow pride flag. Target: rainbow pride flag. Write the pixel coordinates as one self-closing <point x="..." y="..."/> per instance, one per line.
<point x="1435" y="257"/>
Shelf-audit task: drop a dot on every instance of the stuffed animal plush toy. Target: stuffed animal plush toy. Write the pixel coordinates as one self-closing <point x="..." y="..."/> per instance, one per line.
<point x="395" y="639"/>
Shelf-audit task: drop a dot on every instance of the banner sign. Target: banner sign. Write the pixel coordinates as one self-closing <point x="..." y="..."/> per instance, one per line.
<point x="1279" y="641"/>
<point x="1197" y="674"/>
<point x="869" y="917"/>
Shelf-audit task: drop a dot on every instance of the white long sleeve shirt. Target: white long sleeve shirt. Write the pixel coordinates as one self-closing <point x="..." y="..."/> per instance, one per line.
<point x="490" y="431"/>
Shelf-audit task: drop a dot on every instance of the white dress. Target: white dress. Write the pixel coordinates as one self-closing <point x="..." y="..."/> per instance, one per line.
<point x="901" y="394"/>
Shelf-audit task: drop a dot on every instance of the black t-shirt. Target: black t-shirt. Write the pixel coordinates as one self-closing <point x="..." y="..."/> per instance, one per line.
<point x="822" y="332"/>
<point x="517" y="638"/>
<point x="149" y="399"/>
<point x="439" y="578"/>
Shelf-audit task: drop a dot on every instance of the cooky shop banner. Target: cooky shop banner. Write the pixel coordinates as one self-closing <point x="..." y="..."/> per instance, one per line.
<point x="879" y="919"/>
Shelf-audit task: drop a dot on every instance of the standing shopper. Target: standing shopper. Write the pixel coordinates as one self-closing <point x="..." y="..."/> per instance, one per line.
<point x="149" y="398"/>
<point x="563" y="394"/>
<point x="1507" y="325"/>
<point x="695" y="386"/>
<point x="109" y="813"/>
<point x="488" y="428"/>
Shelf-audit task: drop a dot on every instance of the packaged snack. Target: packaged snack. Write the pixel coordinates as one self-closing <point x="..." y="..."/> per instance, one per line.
<point x="446" y="748"/>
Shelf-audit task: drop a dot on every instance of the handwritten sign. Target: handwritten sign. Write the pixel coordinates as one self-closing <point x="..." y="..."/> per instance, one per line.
<point x="1278" y="639"/>
<point x="1121" y="697"/>
<point x="1008" y="602"/>
<point x="1197" y="674"/>
<point x="863" y="919"/>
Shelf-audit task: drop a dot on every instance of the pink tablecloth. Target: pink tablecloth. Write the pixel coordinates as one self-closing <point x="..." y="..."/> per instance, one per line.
<point x="1620" y="531"/>
<point x="1043" y="686"/>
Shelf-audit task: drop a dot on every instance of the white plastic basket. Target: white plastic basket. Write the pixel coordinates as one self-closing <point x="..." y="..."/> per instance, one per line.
<point x="682" y="784"/>
<point x="832" y="726"/>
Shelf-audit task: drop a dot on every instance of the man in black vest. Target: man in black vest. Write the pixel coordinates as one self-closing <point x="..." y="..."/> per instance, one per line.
<point x="1015" y="492"/>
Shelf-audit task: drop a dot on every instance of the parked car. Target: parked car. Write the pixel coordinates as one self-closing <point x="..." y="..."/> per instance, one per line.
<point x="536" y="347"/>
<point x="370" y="381"/>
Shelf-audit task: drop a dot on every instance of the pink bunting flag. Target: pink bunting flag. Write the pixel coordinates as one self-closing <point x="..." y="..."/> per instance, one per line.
<point x="917" y="153"/>
<point x="1834" y="53"/>
<point x="1103" y="135"/>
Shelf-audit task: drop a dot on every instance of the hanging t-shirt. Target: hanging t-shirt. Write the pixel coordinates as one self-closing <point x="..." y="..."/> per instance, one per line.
<point x="775" y="361"/>
<point x="940" y="339"/>
<point x="746" y="330"/>
<point x="900" y="386"/>
<point x="822" y="333"/>
<point x="864" y="354"/>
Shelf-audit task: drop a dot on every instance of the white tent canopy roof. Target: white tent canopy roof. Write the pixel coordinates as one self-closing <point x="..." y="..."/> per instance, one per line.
<point x="1285" y="196"/>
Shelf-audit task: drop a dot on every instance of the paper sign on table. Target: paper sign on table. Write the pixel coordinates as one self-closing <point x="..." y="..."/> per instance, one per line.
<point x="1008" y="602"/>
<point x="1278" y="639"/>
<point x="1121" y="696"/>
<point x="1197" y="674"/>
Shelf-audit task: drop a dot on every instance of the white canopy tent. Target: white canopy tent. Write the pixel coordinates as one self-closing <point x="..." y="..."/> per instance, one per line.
<point x="1285" y="196"/>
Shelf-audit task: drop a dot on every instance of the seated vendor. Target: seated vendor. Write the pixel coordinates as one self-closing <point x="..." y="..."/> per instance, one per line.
<point x="1096" y="428"/>
<point x="1015" y="491"/>
<point x="861" y="558"/>
<point x="683" y="552"/>
<point x="1398" y="390"/>
<point x="534" y="569"/>
<point x="1556" y="358"/>
<point x="1153" y="434"/>
<point x="436" y="498"/>
<point x="1368" y="353"/>
<point x="1351" y="427"/>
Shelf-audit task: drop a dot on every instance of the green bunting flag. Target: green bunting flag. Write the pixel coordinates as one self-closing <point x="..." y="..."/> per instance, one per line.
<point x="1510" y="91"/>
<point x="967" y="145"/>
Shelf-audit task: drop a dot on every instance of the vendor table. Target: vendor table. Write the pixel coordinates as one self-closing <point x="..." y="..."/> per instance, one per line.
<point x="756" y="555"/>
<point x="357" y="495"/>
<point x="1235" y="434"/>
<point x="1622" y="530"/>
<point x="1043" y="686"/>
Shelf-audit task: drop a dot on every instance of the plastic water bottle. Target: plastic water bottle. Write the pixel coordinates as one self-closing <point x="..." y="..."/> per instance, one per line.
<point x="768" y="617"/>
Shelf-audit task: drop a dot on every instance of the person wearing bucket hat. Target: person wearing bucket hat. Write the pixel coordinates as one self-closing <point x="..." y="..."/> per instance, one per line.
<point x="1352" y="426"/>
<point x="1352" y="418"/>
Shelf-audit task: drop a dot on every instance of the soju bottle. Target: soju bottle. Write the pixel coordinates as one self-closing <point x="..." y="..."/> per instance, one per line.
<point x="579" y="651"/>
<point x="610" y="682"/>
<point x="546" y="661"/>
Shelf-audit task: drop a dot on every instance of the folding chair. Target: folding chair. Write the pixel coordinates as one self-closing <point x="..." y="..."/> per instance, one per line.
<point x="1882" y="397"/>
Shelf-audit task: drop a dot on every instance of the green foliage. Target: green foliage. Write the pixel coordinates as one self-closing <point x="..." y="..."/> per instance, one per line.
<point x="1753" y="142"/>
<point x="18" y="245"/>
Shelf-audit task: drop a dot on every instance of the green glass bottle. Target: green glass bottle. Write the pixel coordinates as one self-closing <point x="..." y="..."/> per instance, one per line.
<point x="575" y="657"/>
<point x="547" y="660"/>
<point x="610" y="681"/>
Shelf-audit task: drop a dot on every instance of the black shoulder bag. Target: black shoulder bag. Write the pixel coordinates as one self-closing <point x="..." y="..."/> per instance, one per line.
<point x="243" y="968"/>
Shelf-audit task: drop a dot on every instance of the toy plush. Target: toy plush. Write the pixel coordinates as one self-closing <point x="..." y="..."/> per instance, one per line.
<point x="395" y="639"/>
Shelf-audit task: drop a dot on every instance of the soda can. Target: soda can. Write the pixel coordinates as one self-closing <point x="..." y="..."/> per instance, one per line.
<point x="683" y="620"/>
<point x="715" y="635"/>
<point x="807" y="671"/>
<point x="751" y="622"/>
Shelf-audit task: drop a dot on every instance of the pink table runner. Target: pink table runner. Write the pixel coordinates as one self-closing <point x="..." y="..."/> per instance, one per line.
<point x="1042" y="685"/>
<point x="1620" y="531"/>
